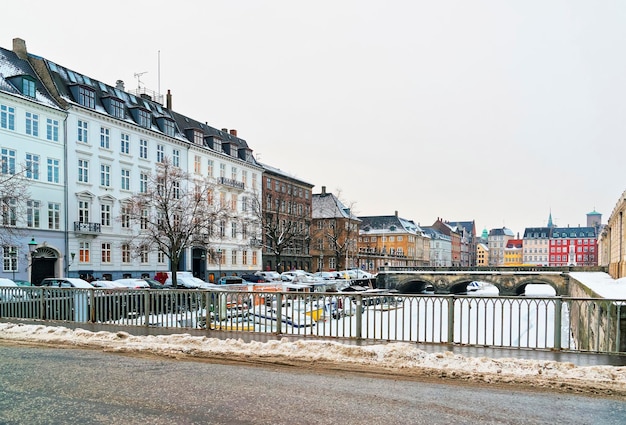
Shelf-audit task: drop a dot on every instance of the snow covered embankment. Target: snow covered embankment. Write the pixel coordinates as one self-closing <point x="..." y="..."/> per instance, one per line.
<point x="392" y="359"/>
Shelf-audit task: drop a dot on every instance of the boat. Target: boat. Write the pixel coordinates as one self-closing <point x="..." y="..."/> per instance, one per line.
<point x="264" y="314"/>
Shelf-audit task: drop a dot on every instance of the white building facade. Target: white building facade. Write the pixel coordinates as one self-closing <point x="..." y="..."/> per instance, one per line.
<point x="31" y="147"/>
<point x="114" y="140"/>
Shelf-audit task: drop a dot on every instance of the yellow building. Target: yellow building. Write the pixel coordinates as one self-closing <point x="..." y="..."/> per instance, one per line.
<point x="482" y="255"/>
<point x="513" y="253"/>
<point x="391" y="241"/>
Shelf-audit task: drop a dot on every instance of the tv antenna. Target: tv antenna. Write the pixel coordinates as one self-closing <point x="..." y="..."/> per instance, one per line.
<point x="138" y="77"/>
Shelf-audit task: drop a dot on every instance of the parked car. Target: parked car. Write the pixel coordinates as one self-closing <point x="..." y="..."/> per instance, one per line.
<point x="254" y="278"/>
<point x="269" y="276"/>
<point x="107" y="284"/>
<point x="154" y="284"/>
<point x="230" y="280"/>
<point x="291" y="274"/>
<point x="22" y="283"/>
<point x="66" y="282"/>
<point x="186" y="280"/>
<point x="131" y="283"/>
<point x="7" y="294"/>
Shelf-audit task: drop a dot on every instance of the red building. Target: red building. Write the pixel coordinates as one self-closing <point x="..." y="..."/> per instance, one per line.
<point x="573" y="246"/>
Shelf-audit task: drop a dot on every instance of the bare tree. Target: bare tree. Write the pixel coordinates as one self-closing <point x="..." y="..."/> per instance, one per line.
<point x="175" y="212"/>
<point x="14" y="195"/>
<point x="285" y="222"/>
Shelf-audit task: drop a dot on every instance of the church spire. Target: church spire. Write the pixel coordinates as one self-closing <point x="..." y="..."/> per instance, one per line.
<point x="550" y="224"/>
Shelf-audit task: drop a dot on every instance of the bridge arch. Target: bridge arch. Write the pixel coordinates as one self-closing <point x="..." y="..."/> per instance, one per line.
<point x="520" y="288"/>
<point x="415" y="286"/>
<point x="459" y="286"/>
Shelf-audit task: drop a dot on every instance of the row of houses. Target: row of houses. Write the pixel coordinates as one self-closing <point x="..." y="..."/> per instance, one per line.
<point x="86" y="149"/>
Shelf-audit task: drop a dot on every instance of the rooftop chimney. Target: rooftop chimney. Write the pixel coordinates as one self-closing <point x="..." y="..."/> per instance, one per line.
<point x="19" y="48"/>
<point x="323" y="190"/>
<point x="233" y="132"/>
<point x="119" y="84"/>
<point x="168" y="100"/>
<point x="225" y="130"/>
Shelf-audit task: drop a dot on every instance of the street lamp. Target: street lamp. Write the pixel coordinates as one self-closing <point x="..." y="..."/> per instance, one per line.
<point x="32" y="246"/>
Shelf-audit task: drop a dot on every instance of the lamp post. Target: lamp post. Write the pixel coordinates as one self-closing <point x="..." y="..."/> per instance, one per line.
<point x="32" y="246"/>
<point x="13" y="262"/>
<point x="219" y="263"/>
<point x="203" y="268"/>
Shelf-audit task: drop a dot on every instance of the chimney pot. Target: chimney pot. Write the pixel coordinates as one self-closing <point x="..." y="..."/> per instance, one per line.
<point x="168" y="100"/>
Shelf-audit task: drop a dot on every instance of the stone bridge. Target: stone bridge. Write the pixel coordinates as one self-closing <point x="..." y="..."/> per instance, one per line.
<point x="508" y="282"/>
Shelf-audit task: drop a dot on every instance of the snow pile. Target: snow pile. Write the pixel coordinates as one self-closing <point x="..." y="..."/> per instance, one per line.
<point x="395" y="359"/>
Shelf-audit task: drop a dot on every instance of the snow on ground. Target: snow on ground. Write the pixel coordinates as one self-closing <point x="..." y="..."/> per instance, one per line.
<point x="602" y="284"/>
<point x="394" y="359"/>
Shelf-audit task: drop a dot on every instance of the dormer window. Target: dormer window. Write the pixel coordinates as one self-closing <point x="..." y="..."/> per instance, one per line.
<point x="142" y="117"/>
<point x="217" y="145"/>
<point x="168" y="127"/>
<point x="87" y="97"/>
<point x="28" y="87"/>
<point x="198" y="137"/>
<point x="114" y="106"/>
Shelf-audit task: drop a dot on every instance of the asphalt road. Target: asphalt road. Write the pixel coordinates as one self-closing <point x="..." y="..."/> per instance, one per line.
<point x="43" y="385"/>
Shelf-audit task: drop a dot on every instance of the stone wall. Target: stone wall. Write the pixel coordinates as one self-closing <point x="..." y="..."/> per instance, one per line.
<point x="594" y="324"/>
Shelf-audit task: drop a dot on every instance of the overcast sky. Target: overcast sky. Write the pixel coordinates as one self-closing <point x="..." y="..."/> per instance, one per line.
<point x="493" y="111"/>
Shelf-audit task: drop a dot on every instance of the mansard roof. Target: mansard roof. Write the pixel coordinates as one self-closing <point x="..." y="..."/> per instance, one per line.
<point x="501" y="232"/>
<point x="13" y="70"/>
<point x="573" y="232"/>
<point x="70" y="84"/>
<point x="537" y="232"/>
<point x="389" y="224"/>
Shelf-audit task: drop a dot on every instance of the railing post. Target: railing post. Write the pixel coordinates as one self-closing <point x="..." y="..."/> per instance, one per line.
<point x="451" y="301"/>
<point x="42" y="304"/>
<point x="279" y="312"/>
<point x="146" y="303"/>
<point x="146" y="312"/>
<point x="618" y="330"/>
<point x="92" y="305"/>
<point x="359" y="316"/>
<point x="207" y="311"/>
<point x="558" y="307"/>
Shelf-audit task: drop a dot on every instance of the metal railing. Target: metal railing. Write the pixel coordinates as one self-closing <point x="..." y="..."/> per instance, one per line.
<point x="551" y="323"/>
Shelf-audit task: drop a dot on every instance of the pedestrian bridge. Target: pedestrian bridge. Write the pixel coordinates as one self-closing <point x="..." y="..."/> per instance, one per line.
<point x="509" y="281"/>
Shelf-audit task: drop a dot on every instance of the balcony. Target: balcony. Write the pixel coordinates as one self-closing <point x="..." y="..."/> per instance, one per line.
<point x="231" y="183"/>
<point x="87" y="228"/>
